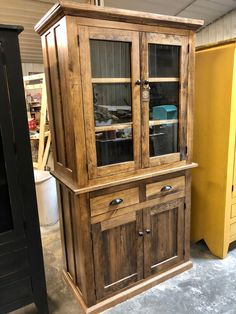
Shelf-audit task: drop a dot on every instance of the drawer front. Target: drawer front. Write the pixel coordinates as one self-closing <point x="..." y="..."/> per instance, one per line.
<point x="233" y="211"/>
<point x="114" y="201"/>
<point x="171" y="187"/>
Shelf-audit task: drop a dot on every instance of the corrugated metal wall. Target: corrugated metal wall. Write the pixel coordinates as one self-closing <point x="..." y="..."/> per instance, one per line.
<point x="222" y="29"/>
<point x="30" y="68"/>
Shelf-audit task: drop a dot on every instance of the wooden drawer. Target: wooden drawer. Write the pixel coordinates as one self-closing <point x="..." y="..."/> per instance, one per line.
<point x="102" y="204"/>
<point x="233" y="211"/>
<point x="166" y="189"/>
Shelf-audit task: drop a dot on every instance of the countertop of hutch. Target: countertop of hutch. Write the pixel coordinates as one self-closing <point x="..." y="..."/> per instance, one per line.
<point x="64" y="7"/>
<point x="101" y="183"/>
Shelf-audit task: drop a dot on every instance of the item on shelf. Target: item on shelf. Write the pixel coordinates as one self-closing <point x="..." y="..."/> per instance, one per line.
<point x="36" y="99"/>
<point x="165" y="112"/>
<point x="32" y="124"/>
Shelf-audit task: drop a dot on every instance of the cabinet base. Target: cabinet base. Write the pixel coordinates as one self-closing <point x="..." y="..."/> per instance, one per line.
<point x="126" y="294"/>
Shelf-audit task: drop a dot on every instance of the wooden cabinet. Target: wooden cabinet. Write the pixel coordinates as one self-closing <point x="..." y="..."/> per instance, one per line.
<point x="22" y="279"/>
<point x="214" y="196"/>
<point x="120" y="87"/>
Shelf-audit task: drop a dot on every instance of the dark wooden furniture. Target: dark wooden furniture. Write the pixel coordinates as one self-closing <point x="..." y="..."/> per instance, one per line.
<point x="22" y="279"/>
<point x="120" y="89"/>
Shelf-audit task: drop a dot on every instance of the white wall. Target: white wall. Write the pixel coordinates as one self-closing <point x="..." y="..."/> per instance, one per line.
<point x="32" y="67"/>
<point x="222" y="29"/>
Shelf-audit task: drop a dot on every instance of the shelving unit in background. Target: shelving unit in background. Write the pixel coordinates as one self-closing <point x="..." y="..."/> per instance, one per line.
<point x="36" y="95"/>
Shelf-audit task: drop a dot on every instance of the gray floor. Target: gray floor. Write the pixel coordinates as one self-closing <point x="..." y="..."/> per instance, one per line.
<point x="209" y="287"/>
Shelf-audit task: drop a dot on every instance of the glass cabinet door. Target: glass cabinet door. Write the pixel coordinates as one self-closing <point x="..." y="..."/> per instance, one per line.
<point x="164" y="90"/>
<point x="112" y="99"/>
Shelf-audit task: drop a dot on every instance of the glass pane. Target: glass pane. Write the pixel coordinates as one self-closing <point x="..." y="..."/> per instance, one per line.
<point x="163" y="60"/>
<point x="163" y="139"/>
<point x="163" y="118"/>
<point x="6" y="223"/>
<point x="164" y="101"/>
<point x="112" y="103"/>
<point x="114" y="146"/>
<point x="110" y="59"/>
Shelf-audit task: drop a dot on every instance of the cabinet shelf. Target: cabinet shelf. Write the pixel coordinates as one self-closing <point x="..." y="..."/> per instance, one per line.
<point x="114" y="140"/>
<point x="111" y="80"/>
<point x="160" y="122"/>
<point x="163" y="79"/>
<point x="113" y="127"/>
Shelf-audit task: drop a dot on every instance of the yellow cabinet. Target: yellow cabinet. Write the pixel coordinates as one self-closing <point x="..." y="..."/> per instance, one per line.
<point x="214" y="181"/>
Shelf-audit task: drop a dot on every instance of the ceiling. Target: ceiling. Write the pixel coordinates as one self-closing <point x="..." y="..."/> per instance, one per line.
<point x="28" y="12"/>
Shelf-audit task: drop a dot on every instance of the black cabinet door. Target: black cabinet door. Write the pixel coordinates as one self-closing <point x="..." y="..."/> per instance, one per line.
<point x="22" y="278"/>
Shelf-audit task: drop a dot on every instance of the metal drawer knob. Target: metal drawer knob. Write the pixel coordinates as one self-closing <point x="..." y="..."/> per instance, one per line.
<point x="166" y="188"/>
<point x="116" y="201"/>
<point x="140" y="233"/>
<point x="148" y="231"/>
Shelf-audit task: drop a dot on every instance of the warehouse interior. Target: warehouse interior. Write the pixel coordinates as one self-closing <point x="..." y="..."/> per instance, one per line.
<point x="118" y="156"/>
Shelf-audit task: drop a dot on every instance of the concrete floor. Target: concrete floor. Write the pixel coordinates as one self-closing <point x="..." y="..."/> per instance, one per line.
<point x="209" y="287"/>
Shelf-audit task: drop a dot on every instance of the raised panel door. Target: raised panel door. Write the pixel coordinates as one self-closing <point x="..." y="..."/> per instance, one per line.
<point x="164" y="236"/>
<point x="118" y="253"/>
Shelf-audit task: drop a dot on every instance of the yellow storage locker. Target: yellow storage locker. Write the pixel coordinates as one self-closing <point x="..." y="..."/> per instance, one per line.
<point x="214" y="181"/>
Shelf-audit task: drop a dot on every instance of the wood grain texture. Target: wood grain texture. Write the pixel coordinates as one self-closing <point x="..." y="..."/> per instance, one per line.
<point x="101" y="204"/>
<point x="117" y="245"/>
<point x="130" y="26"/>
<point x="71" y="8"/>
<point x="153" y="190"/>
<point x="139" y="175"/>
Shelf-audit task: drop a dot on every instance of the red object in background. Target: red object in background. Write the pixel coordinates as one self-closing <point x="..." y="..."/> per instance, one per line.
<point x="32" y="124"/>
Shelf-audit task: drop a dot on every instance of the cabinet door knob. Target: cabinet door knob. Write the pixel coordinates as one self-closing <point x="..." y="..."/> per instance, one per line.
<point x="138" y="82"/>
<point x="140" y="233"/>
<point x="116" y="201"/>
<point x="148" y="231"/>
<point x="166" y="188"/>
<point x="146" y="82"/>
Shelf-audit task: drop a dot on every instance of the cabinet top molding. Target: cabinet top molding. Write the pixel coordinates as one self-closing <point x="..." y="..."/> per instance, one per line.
<point x="64" y="7"/>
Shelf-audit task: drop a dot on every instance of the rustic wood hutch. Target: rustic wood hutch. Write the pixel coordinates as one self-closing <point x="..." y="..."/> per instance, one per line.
<point x="120" y="89"/>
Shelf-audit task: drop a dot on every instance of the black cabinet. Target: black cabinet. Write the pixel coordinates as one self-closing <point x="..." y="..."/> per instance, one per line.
<point x="22" y="279"/>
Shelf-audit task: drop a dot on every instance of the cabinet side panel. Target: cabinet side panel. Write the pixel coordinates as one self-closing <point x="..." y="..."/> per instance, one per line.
<point x="66" y="203"/>
<point x="55" y="62"/>
<point x="214" y="69"/>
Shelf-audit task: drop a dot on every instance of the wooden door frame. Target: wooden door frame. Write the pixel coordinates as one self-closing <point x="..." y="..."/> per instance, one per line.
<point x="147" y="213"/>
<point x="165" y="39"/>
<point x="86" y="33"/>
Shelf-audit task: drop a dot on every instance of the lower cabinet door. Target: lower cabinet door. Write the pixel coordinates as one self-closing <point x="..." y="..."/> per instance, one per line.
<point x="118" y="253"/>
<point x="164" y="236"/>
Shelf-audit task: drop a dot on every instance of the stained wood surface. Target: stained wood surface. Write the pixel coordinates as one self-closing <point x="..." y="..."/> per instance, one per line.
<point x="122" y="179"/>
<point x="101" y="204"/>
<point x="153" y="190"/>
<point x="117" y="245"/>
<point x="71" y="8"/>
<point x="163" y="244"/>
